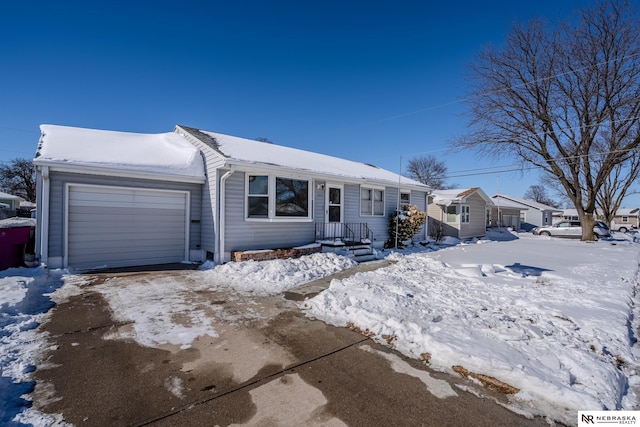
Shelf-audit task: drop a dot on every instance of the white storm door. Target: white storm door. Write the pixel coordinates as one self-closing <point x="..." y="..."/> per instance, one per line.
<point x="333" y="213"/>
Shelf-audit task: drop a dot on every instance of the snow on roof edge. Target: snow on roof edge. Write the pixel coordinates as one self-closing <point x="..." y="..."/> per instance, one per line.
<point x="270" y="155"/>
<point x="103" y="150"/>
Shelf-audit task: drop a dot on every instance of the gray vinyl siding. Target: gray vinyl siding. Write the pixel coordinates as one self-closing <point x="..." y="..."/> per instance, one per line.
<point x="58" y="181"/>
<point x="477" y="217"/>
<point x="437" y="215"/>
<point x="318" y="201"/>
<point x="213" y="162"/>
<point x="419" y="199"/>
<point x="377" y="224"/>
<point x="242" y="234"/>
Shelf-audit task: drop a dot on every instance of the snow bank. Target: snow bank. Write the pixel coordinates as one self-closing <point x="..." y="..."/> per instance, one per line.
<point x="549" y="317"/>
<point x="24" y="303"/>
<point x="276" y="276"/>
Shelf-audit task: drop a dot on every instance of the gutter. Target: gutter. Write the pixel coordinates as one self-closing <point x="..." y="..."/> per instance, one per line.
<point x="304" y="173"/>
<point x="122" y="173"/>
<point x="42" y="219"/>
<point x="220" y="232"/>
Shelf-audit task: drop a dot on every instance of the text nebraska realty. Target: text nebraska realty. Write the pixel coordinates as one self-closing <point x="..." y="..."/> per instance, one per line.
<point x="590" y="419"/>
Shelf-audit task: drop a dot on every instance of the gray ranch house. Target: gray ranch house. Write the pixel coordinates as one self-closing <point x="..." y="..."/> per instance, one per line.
<point x="114" y="199"/>
<point x="532" y="214"/>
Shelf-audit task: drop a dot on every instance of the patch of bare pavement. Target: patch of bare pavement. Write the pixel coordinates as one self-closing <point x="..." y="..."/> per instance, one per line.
<point x="269" y="366"/>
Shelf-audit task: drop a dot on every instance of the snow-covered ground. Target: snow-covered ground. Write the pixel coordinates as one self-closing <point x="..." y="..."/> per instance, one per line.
<point x="555" y="319"/>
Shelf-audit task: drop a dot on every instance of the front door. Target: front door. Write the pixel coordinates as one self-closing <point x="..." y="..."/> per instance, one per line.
<point x="333" y="215"/>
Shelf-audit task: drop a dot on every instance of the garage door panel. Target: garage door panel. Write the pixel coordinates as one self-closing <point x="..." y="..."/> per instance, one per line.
<point x="115" y="241"/>
<point x="134" y="199"/>
<point x="99" y="255"/>
<point x="131" y="225"/>
<point x="117" y="227"/>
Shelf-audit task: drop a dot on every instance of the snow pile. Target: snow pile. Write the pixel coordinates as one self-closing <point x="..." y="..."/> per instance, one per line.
<point x="17" y="222"/>
<point x="550" y="317"/>
<point x="276" y="276"/>
<point x="24" y="303"/>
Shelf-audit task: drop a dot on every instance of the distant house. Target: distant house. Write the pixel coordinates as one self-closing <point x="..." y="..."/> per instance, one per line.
<point x="565" y="214"/>
<point x="9" y="205"/>
<point x="114" y="199"/>
<point x="505" y="213"/>
<point x="623" y="220"/>
<point x="626" y="219"/>
<point x="10" y="201"/>
<point x="532" y="214"/>
<point x="460" y="213"/>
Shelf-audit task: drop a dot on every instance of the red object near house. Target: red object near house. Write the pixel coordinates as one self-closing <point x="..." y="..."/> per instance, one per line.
<point x="13" y="240"/>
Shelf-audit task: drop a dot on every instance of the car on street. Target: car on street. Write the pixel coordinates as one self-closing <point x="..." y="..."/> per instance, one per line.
<point x="572" y="229"/>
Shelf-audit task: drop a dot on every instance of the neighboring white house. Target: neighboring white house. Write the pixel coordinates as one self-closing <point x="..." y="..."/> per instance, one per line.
<point x="460" y="213"/>
<point x="114" y="199"/>
<point x="532" y="213"/>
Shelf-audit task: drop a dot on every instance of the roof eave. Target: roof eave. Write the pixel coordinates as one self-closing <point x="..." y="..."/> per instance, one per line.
<point x="87" y="169"/>
<point x="244" y="166"/>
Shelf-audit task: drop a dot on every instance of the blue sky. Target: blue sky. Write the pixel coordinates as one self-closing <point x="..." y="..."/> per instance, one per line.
<point x="367" y="81"/>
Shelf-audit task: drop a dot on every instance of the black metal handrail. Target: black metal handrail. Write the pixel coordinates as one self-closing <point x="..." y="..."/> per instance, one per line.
<point x="348" y="233"/>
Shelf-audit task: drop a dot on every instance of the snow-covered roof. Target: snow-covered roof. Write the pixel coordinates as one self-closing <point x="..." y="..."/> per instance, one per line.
<point x="619" y="212"/>
<point x="525" y="203"/>
<point x="246" y="152"/>
<point x="164" y="154"/>
<point x="507" y="203"/>
<point x="457" y="195"/>
<point x="627" y="212"/>
<point x="7" y="196"/>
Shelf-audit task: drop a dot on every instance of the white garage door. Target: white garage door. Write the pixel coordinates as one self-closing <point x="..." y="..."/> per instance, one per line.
<point x="119" y="227"/>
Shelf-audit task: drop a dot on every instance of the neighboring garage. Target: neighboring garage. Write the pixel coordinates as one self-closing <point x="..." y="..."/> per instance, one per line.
<point x="119" y="227"/>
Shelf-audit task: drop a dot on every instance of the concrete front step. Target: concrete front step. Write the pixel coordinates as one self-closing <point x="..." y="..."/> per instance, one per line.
<point x="364" y="257"/>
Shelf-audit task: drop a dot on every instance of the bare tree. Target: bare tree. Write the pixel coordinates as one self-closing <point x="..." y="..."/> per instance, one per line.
<point x="617" y="186"/>
<point x="18" y="178"/>
<point x="549" y="93"/>
<point x="538" y="193"/>
<point x="427" y="170"/>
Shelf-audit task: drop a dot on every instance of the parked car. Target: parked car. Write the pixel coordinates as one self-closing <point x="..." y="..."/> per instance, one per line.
<point x="623" y="228"/>
<point x="604" y="226"/>
<point x="571" y="229"/>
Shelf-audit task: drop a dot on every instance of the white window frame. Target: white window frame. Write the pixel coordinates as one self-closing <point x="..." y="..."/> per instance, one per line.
<point x="465" y="214"/>
<point x="372" y="188"/>
<point x="625" y="219"/>
<point x="403" y="193"/>
<point x="271" y="193"/>
<point x="455" y="214"/>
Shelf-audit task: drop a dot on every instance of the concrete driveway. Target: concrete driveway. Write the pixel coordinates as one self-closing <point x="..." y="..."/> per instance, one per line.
<point x="269" y="366"/>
